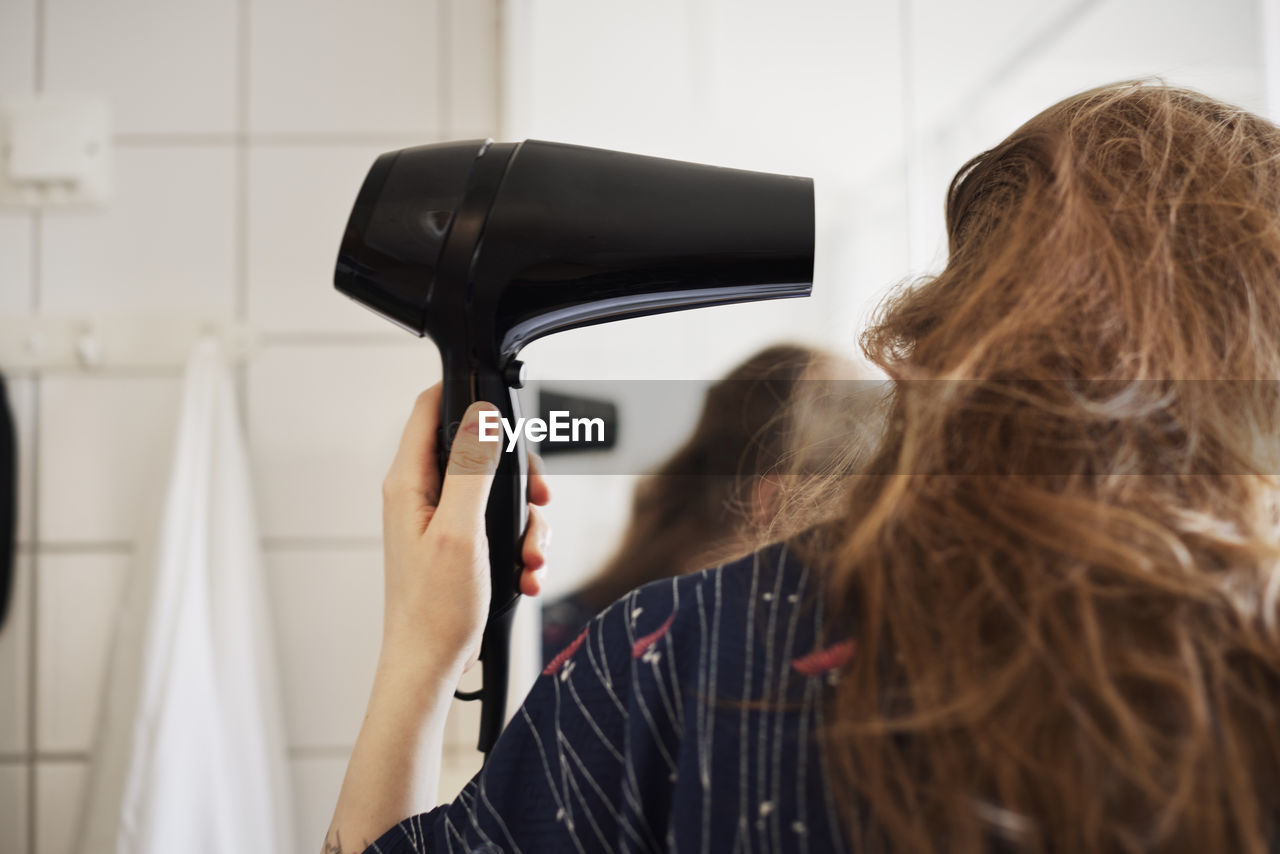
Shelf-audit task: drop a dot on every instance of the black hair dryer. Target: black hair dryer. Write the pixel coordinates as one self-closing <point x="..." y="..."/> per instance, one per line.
<point x="486" y="246"/>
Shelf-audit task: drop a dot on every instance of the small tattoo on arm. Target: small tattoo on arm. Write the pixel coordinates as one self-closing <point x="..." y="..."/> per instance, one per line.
<point x="333" y="844"/>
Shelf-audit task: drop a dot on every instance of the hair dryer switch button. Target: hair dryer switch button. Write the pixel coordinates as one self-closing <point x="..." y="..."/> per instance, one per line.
<point x="514" y="374"/>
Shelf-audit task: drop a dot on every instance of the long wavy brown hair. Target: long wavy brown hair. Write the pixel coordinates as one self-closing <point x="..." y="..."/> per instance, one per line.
<point x="1061" y="573"/>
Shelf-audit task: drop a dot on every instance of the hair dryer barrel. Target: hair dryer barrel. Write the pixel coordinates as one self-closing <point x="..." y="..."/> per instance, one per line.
<point x="578" y="235"/>
<point x="487" y="246"/>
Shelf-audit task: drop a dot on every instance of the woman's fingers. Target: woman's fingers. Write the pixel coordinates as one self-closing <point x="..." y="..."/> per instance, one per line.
<point x="533" y="554"/>
<point x="539" y="491"/>
<point x="413" y="491"/>
<point x="472" y="464"/>
<point x="412" y="483"/>
<point x="538" y="535"/>
<point x="414" y="470"/>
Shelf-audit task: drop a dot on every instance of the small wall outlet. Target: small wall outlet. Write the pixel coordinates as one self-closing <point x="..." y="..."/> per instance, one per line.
<point x="54" y="150"/>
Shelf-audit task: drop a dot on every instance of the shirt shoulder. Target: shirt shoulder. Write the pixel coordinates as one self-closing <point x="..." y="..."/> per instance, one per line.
<point x="661" y="725"/>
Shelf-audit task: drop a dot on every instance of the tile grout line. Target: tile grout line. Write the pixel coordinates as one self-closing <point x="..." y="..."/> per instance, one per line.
<point x="242" y="236"/>
<point x="74" y="756"/>
<point x="83" y="547"/>
<point x="444" y="61"/>
<point x="33" y="629"/>
<point x="285" y="544"/>
<point x="297" y="139"/>
<point x="38" y="52"/>
<point x="296" y="752"/>
<point x="268" y="542"/>
<point x="122" y="371"/>
<point x="37" y="395"/>
<point x="242" y="158"/>
<point x="499" y="91"/>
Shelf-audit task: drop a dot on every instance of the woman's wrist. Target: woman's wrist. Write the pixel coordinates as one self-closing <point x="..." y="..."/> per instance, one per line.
<point x="395" y="766"/>
<point x="421" y="667"/>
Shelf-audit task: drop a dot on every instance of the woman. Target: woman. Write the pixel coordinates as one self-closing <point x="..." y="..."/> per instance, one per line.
<point x="1049" y="620"/>
<point x="767" y="428"/>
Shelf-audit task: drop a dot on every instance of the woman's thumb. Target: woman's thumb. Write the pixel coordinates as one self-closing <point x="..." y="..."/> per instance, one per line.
<point x="472" y="462"/>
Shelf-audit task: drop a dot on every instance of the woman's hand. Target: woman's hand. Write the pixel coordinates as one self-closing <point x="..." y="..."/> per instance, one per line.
<point x="437" y="585"/>
<point x="437" y="557"/>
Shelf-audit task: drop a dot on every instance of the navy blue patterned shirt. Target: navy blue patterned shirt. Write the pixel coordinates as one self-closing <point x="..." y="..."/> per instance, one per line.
<point x="683" y="718"/>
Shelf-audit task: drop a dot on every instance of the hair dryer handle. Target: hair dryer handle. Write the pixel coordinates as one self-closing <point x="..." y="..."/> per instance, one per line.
<point x="506" y="517"/>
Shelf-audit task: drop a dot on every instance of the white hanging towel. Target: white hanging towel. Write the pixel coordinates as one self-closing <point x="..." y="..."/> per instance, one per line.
<point x="190" y="752"/>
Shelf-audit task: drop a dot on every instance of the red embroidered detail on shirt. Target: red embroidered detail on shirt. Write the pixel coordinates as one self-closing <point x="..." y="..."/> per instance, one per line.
<point x="565" y="654"/>
<point x="822" y="660"/>
<point x="638" y="648"/>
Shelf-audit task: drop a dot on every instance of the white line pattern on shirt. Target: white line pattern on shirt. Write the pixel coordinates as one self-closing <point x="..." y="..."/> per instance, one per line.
<point x="634" y="706"/>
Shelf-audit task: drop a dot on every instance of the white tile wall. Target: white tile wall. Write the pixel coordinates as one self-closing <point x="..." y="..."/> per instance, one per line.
<point x="243" y="130"/>
<point x="167" y="65"/>
<point x="295" y="224"/>
<point x="17" y="46"/>
<point x="462" y="728"/>
<point x="15" y="670"/>
<point x="59" y="795"/>
<point x="1215" y="48"/>
<point x="328" y="614"/>
<point x="164" y="243"/>
<point x="460" y="763"/>
<point x="324" y="422"/>
<point x="595" y="77"/>
<point x="22" y="406"/>
<point x="13" y="807"/>
<point x="340" y="67"/>
<point x="868" y="254"/>
<point x="316" y="783"/>
<point x="103" y="446"/>
<point x="318" y="779"/>
<point x="472" y="98"/>
<point x="842" y="78"/>
<point x="15" y="248"/>
<point x="77" y="600"/>
<point x="953" y="71"/>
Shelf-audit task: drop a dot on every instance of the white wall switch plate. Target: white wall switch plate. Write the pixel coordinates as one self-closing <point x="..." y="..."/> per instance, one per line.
<point x="54" y="150"/>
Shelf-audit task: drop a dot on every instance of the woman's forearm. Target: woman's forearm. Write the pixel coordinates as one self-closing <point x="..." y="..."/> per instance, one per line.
<point x="437" y="599"/>
<point x="394" y="768"/>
